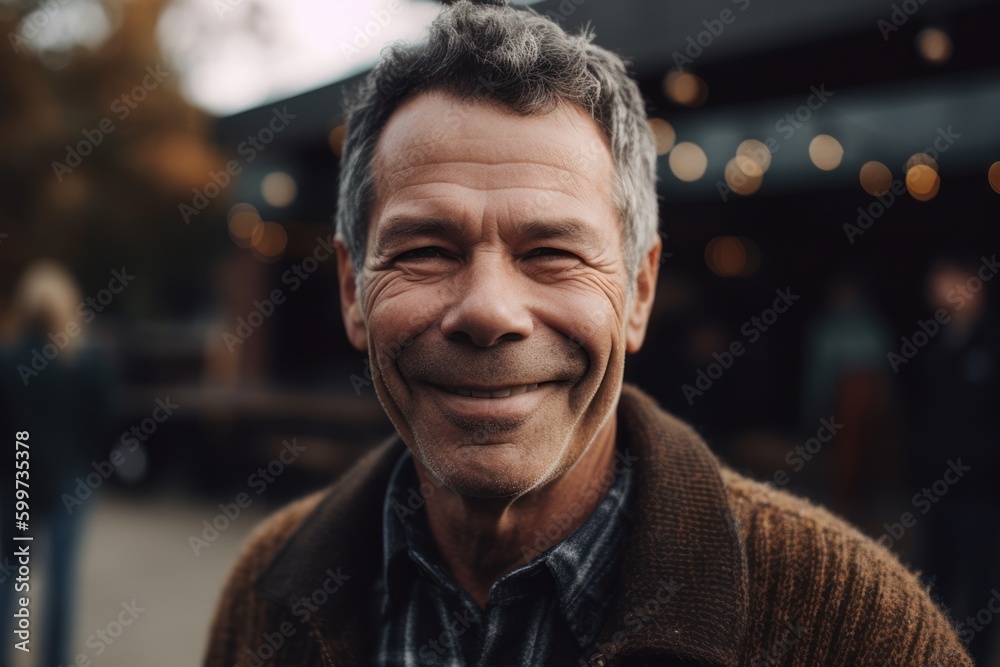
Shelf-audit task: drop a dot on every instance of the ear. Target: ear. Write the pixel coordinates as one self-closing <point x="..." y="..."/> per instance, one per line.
<point x="642" y="300"/>
<point x="354" y="323"/>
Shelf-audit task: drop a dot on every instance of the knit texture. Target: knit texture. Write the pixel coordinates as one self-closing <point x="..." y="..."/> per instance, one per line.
<point x="719" y="570"/>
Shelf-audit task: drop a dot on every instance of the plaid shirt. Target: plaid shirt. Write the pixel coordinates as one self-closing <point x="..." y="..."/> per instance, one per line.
<point x="544" y="612"/>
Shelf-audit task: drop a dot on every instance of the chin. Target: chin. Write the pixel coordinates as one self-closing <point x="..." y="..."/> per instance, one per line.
<point x="488" y="471"/>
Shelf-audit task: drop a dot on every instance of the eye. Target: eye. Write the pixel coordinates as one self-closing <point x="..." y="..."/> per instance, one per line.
<point x="430" y="252"/>
<point x="549" y="252"/>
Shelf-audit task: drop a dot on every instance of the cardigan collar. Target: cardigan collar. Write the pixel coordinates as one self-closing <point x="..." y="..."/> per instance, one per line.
<point x="684" y="585"/>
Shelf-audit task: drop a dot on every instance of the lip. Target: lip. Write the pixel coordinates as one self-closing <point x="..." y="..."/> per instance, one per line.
<point x="506" y="391"/>
<point x="516" y="405"/>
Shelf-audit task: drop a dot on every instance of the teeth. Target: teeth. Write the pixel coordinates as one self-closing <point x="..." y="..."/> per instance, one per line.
<point x="500" y="393"/>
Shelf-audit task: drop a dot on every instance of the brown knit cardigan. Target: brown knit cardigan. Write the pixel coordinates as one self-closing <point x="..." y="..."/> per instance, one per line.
<point x="719" y="570"/>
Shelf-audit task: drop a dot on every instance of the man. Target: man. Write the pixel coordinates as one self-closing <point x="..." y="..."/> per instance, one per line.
<point x="498" y="253"/>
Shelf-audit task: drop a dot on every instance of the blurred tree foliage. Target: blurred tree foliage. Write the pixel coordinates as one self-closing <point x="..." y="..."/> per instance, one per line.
<point x="97" y="149"/>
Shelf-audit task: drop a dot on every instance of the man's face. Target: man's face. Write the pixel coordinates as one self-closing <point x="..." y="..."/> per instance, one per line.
<point x="494" y="290"/>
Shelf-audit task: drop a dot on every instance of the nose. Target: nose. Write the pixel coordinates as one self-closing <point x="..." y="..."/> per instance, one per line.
<point x="490" y="303"/>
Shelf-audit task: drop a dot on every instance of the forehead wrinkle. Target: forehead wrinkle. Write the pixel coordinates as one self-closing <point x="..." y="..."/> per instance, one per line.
<point x="405" y="167"/>
<point x="568" y="163"/>
<point x="413" y="145"/>
<point x="504" y="176"/>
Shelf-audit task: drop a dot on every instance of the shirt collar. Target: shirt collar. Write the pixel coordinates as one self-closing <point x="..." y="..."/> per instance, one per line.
<point x="587" y="576"/>
<point x="406" y="537"/>
<point x="584" y="576"/>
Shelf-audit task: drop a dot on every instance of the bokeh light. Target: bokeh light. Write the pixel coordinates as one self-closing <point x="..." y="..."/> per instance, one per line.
<point x="278" y="189"/>
<point x="934" y="45"/>
<point x="876" y="178"/>
<point x="994" y="177"/>
<point x="243" y="219"/>
<point x="920" y="158"/>
<point x="922" y="182"/>
<point x="663" y="134"/>
<point x="825" y="152"/>
<point x="731" y="256"/>
<point x="268" y="241"/>
<point x="336" y="139"/>
<point x="743" y="175"/>
<point x="686" y="89"/>
<point x="757" y="151"/>
<point x="688" y="161"/>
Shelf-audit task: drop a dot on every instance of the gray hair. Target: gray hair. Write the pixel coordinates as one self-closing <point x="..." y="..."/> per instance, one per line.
<point x="526" y="62"/>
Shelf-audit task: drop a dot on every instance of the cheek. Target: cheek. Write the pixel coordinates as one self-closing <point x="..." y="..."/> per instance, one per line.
<point x="592" y="321"/>
<point x="396" y="318"/>
<point x="589" y="320"/>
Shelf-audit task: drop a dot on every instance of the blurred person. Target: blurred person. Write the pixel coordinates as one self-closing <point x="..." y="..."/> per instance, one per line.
<point x="498" y="256"/>
<point x="957" y="419"/>
<point x="65" y="406"/>
<point x="846" y="381"/>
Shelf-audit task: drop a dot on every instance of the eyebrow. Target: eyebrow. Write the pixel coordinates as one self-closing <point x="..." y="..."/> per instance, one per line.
<point x="538" y="230"/>
<point x="397" y="229"/>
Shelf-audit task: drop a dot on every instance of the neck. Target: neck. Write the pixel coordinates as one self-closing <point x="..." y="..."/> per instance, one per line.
<point x="482" y="539"/>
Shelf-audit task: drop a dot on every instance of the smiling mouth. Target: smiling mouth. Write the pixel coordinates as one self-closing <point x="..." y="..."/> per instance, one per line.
<point x="504" y="392"/>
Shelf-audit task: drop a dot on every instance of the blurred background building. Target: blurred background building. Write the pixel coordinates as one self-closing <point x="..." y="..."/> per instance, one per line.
<point x="830" y="181"/>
